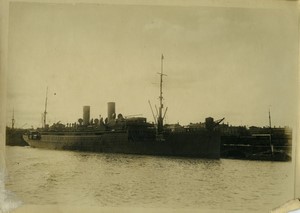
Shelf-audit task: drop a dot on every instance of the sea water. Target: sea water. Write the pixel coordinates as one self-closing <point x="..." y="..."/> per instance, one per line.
<point x="38" y="177"/>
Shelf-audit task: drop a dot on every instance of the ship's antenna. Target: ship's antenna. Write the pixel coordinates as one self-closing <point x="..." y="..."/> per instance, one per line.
<point x="13" y="119"/>
<point x="160" y="118"/>
<point x="45" y="112"/>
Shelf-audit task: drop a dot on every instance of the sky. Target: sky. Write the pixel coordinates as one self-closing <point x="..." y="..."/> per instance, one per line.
<point x="220" y="62"/>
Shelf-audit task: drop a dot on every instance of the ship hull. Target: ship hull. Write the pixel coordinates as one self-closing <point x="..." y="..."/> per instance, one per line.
<point x="190" y="144"/>
<point x="14" y="137"/>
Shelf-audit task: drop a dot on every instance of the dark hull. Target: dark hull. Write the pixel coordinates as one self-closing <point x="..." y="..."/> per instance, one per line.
<point x="255" y="148"/>
<point x="188" y="144"/>
<point x="269" y="156"/>
<point x="14" y="137"/>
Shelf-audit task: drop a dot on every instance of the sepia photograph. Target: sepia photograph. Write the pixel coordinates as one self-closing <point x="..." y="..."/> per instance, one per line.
<point x="147" y="106"/>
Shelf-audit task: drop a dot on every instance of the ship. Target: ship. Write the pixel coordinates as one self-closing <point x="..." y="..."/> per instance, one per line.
<point x="256" y="143"/>
<point x="14" y="135"/>
<point x="129" y="135"/>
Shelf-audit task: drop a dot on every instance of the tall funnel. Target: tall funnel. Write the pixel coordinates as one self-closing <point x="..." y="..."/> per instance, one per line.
<point x="86" y="115"/>
<point x="111" y="111"/>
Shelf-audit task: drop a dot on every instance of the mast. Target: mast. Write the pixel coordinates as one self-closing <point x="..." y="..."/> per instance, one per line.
<point x="13" y="119"/>
<point x="270" y="125"/>
<point x="271" y="145"/>
<point x="45" y="112"/>
<point x="160" y="118"/>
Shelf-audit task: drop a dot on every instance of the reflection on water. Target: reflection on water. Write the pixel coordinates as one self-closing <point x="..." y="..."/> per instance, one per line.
<point x="64" y="177"/>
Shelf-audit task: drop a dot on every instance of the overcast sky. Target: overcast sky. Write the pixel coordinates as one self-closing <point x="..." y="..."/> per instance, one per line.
<point x="220" y="62"/>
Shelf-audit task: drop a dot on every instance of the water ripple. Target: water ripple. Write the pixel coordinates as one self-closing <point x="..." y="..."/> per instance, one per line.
<point x="65" y="177"/>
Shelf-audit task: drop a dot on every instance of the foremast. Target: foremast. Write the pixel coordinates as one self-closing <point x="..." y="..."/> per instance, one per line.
<point x="160" y="116"/>
<point x="45" y="112"/>
<point x="270" y="124"/>
<point x="13" y="119"/>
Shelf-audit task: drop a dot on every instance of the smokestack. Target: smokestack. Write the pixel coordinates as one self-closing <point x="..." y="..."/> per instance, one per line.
<point x="111" y="111"/>
<point x="86" y="115"/>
